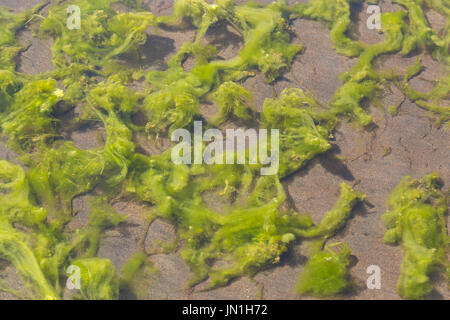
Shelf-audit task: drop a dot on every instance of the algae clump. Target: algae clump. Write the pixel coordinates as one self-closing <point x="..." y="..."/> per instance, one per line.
<point x="416" y="222"/>
<point x="303" y="133"/>
<point x="98" y="279"/>
<point x="15" y="246"/>
<point x="326" y="272"/>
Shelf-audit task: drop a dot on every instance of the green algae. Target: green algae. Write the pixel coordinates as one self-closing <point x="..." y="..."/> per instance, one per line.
<point x="9" y="46"/>
<point x="336" y="218"/>
<point x="95" y="49"/>
<point x="59" y="171"/>
<point x="99" y="280"/>
<point x="108" y="34"/>
<point x="304" y="134"/>
<point x="416" y="222"/>
<point x="62" y="171"/>
<point x="256" y="229"/>
<point x="14" y="249"/>
<point x="336" y="15"/>
<point x="362" y="82"/>
<point x="267" y="48"/>
<point x="326" y="272"/>
<point x="136" y="275"/>
<point x="423" y="38"/>
<point x="430" y="100"/>
<point x="248" y="238"/>
<point x="15" y="245"/>
<point x="39" y="256"/>
<point x="233" y="100"/>
<point x="31" y="121"/>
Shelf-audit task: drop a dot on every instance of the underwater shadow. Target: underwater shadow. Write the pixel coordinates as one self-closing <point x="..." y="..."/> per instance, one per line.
<point x="335" y="166"/>
<point x="155" y="50"/>
<point x="152" y="53"/>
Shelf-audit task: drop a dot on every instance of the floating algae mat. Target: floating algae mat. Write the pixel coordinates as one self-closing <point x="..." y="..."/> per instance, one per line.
<point x="257" y="227"/>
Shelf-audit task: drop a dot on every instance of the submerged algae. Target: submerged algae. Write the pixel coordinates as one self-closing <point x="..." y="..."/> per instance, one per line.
<point x="304" y="132"/>
<point x="98" y="279"/>
<point x="404" y="31"/>
<point x="29" y="119"/>
<point x="416" y="221"/>
<point x="15" y="245"/>
<point x="59" y="171"/>
<point x="107" y="33"/>
<point x="267" y="48"/>
<point x="41" y="252"/>
<point x="326" y="272"/>
<point x="248" y="238"/>
<point x="9" y="46"/>
<point x="233" y="100"/>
